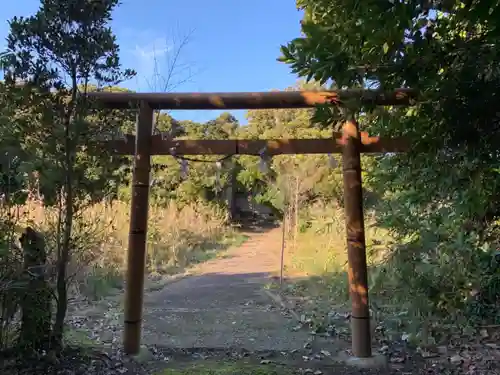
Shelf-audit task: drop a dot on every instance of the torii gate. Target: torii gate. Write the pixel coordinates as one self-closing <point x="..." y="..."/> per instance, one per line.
<point x="351" y="143"/>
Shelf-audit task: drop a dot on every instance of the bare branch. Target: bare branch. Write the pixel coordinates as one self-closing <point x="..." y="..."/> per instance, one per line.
<point x="174" y="67"/>
<point x="177" y="73"/>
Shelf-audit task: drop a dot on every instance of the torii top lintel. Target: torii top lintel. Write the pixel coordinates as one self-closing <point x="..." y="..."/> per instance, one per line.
<point x="253" y="100"/>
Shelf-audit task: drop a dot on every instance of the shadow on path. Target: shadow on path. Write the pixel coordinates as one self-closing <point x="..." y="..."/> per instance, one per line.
<point x="219" y="311"/>
<point x="224" y="304"/>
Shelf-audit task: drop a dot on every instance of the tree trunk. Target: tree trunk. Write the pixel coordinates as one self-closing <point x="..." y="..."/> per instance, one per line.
<point x="62" y="264"/>
<point x="64" y="253"/>
<point x="36" y="300"/>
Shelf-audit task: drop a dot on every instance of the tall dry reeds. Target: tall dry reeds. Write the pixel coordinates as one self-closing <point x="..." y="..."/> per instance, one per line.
<point x="177" y="238"/>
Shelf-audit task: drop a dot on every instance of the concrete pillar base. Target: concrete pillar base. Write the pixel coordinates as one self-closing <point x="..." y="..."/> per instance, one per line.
<point x="143" y="356"/>
<point x="376" y="361"/>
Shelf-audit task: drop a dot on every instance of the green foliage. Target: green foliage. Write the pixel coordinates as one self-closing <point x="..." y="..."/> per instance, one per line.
<point x="440" y="200"/>
<point x="63" y="40"/>
<point x="52" y="131"/>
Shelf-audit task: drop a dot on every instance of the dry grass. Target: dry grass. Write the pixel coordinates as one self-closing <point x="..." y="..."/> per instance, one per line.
<point x="177" y="238"/>
<point x="318" y="262"/>
<point x="321" y="248"/>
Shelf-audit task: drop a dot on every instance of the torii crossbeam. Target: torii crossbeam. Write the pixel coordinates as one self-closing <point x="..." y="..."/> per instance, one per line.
<point x="351" y="143"/>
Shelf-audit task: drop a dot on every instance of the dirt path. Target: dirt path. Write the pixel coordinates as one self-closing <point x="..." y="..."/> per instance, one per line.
<point x="223" y="304"/>
<point x="224" y="312"/>
<point x="221" y="316"/>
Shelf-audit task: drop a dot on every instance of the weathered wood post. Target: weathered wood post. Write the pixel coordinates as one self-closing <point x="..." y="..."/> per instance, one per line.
<point x="355" y="235"/>
<point x="136" y="261"/>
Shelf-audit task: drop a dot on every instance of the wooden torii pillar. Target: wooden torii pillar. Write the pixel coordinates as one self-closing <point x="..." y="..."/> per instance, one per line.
<point x="351" y="143"/>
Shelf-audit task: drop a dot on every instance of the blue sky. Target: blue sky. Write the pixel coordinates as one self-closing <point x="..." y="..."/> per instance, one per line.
<point x="233" y="45"/>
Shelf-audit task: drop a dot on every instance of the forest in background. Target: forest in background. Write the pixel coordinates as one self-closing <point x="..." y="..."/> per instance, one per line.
<point x="432" y="213"/>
